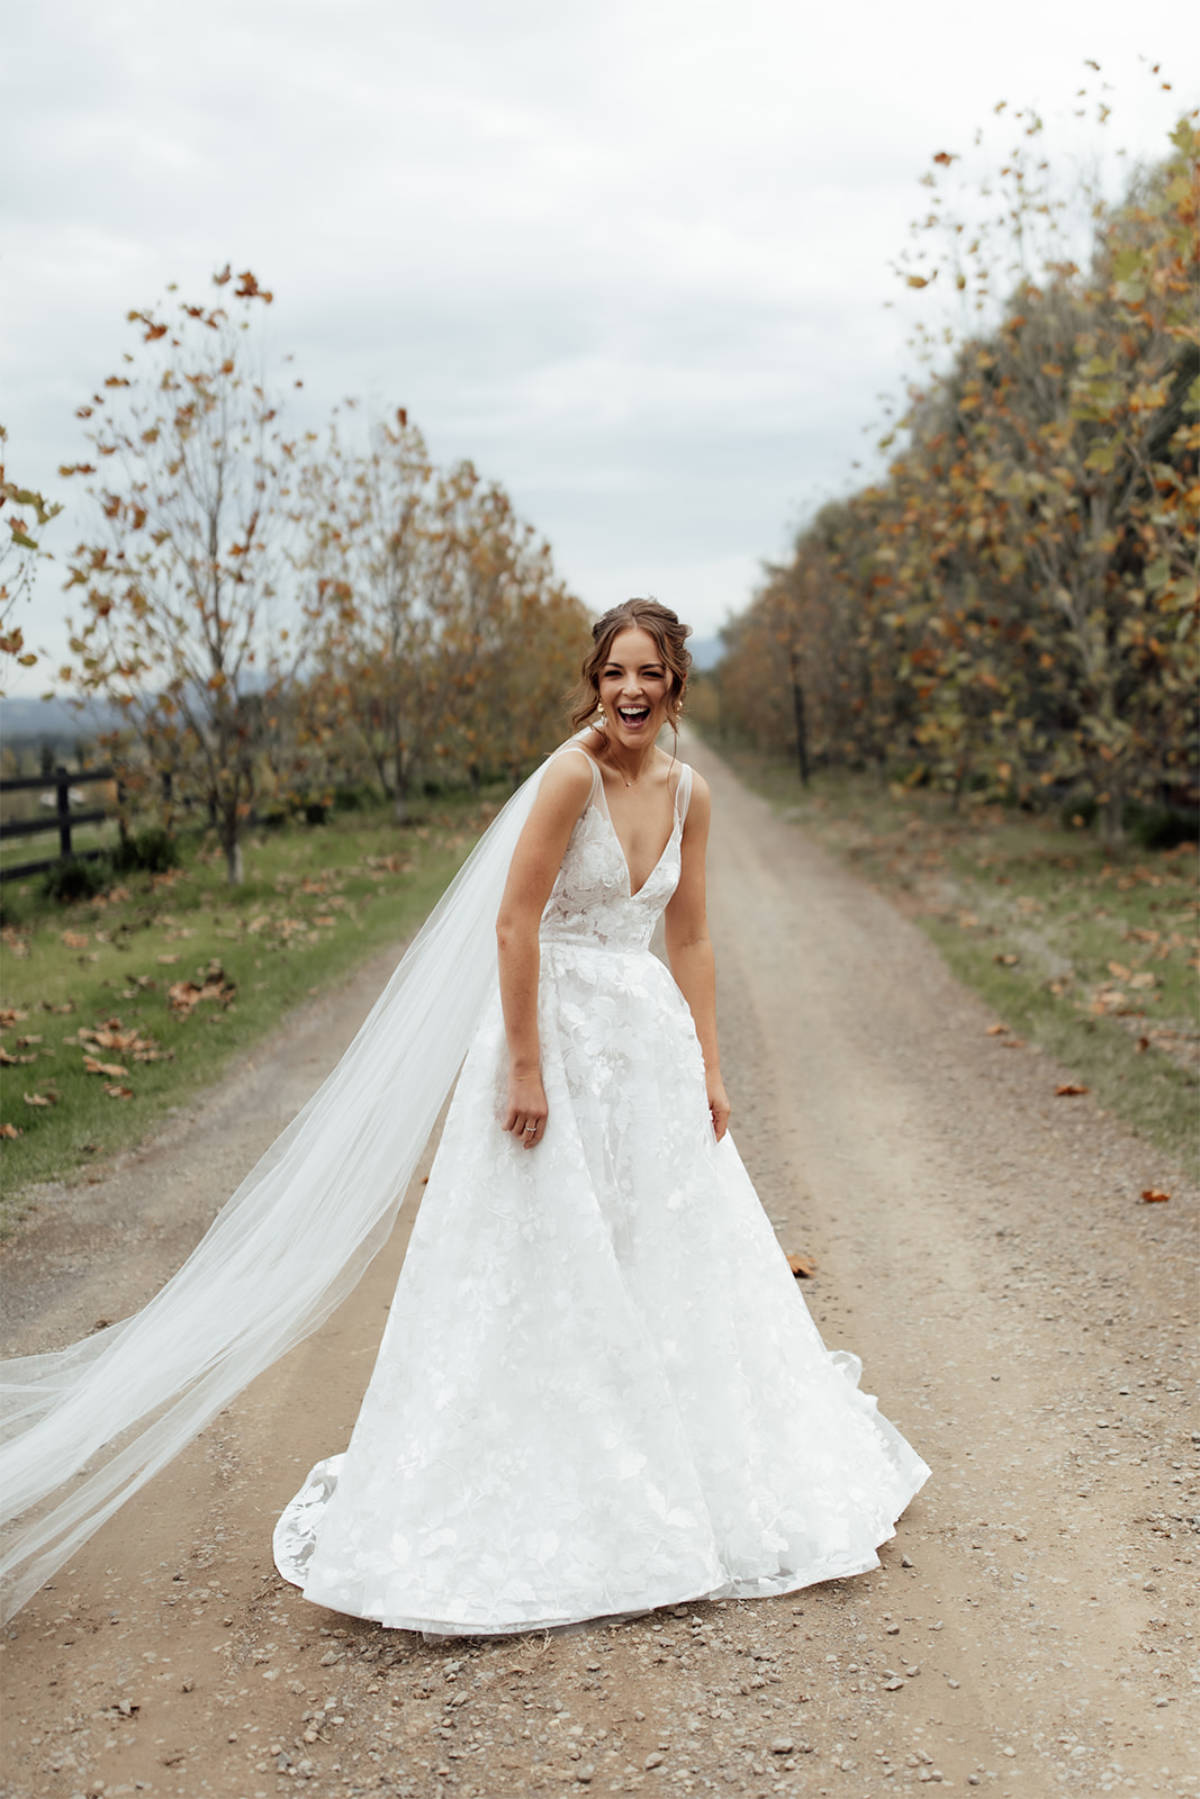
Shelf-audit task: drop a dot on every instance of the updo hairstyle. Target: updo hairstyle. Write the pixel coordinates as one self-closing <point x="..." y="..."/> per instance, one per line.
<point x="643" y="615"/>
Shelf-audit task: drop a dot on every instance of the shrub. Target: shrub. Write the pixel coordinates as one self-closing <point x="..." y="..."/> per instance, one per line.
<point x="154" y="850"/>
<point x="75" y="879"/>
<point x="354" y="799"/>
<point x="1161" y="827"/>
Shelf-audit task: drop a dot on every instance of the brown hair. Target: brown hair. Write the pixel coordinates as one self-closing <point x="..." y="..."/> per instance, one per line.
<point x="638" y="615"/>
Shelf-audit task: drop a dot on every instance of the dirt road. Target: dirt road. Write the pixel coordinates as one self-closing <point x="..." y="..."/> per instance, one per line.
<point x="982" y="1244"/>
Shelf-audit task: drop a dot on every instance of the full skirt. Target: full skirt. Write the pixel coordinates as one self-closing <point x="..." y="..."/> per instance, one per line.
<point x="599" y="1389"/>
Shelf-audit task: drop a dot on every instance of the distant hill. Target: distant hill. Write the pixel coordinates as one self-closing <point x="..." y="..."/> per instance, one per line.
<point x="54" y="721"/>
<point x="706" y="652"/>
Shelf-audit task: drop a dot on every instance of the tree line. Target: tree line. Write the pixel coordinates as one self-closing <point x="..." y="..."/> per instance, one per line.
<point x="279" y="614"/>
<point x="1013" y="607"/>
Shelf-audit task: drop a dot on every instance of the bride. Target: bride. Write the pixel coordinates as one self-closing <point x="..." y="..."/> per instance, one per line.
<point x="598" y="1390"/>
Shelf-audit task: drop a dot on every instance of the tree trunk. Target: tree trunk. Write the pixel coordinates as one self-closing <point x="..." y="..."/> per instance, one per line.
<point x="800" y="713"/>
<point x="402" y="789"/>
<point x="1114" y="807"/>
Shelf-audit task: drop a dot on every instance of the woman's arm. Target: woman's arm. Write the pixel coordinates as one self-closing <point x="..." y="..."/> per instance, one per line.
<point x="690" y="951"/>
<point x="561" y="797"/>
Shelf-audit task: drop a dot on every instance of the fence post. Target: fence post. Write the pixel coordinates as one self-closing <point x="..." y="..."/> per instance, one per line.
<point x="62" y="789"/>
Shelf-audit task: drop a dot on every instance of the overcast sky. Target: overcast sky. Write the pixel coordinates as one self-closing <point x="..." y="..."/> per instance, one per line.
<point x="631" y="257"/>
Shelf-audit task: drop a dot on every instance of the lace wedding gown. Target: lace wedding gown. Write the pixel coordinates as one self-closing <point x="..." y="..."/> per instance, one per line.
<point x="598" y="1390"/>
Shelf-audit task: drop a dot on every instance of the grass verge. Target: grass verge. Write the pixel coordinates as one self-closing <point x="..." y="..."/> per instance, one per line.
<point x="114" y="1010"/>
<point x="1090" y="953"/>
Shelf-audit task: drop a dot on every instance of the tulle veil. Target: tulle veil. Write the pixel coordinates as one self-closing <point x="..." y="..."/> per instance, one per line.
<point x="84" y="1427"/>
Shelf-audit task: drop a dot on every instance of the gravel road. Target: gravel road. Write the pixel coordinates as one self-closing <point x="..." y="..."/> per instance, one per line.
<point x="1023" y="1316"/>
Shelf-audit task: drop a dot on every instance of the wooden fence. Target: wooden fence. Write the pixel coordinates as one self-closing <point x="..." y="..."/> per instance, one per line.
<point x="62" y="819"/>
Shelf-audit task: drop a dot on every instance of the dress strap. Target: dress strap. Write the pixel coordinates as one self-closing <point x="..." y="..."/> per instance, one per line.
<point x="683" y="791"/>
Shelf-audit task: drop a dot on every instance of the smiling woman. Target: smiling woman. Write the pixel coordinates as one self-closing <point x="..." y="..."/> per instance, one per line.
<point x="598" y="1389"/>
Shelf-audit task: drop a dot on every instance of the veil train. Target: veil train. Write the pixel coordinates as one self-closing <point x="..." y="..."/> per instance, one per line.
<point x="101" y="1416"/>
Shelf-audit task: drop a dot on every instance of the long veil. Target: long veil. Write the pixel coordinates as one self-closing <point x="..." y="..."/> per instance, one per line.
<point x="103" y="1415"/>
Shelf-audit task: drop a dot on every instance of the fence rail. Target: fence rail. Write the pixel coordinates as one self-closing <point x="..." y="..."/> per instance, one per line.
<point x="62" y="819"/>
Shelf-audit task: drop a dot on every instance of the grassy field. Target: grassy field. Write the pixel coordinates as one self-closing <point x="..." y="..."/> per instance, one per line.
<point x="1091" y="954"/>
<point x="114" y="1009"/>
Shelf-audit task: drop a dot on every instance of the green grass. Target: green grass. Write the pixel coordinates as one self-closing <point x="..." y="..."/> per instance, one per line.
<point x="317" y="901"/>
<point x="1090" y="953"/>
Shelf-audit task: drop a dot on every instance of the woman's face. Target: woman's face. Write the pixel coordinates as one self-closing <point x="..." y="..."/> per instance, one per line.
<point x="635" y="686"/>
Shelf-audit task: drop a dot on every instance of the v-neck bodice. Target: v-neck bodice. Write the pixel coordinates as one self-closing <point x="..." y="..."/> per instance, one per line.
<point x="592" y="902"/>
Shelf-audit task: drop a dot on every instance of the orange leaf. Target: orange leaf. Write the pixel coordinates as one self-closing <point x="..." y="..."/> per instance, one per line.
<point x="10" y="1131"/>
<point x="996" y="1030"/>
<point x="1067" y="1088"/>
<point x="801" y="1266"/>
<point x="115" y="1092"/>
<point x="1154" y="1195"/>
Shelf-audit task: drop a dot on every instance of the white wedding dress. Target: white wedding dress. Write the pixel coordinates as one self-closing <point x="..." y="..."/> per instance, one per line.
<point x="598" y="1390"/>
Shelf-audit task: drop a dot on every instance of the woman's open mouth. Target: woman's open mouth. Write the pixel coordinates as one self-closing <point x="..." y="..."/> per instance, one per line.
<point x="633" y="716"/>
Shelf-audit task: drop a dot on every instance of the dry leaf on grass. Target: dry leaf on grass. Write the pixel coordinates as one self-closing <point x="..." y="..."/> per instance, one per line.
<point x="1154" y="1195"/>
<point x="1066" y="1089"/>
<point x="10" y="1015"/>
<point x="184" y="996"/>
<point x="1006" y="961"/>
<point x="114" y="1069"/>
<point x="118" y="1092"/>
<point x="10" y="1131"/>
<point x="801" y="1266"/>
<point x="75" y="939"/>
<point x="41" y="1099"/>
<point x="996" y="1030"/>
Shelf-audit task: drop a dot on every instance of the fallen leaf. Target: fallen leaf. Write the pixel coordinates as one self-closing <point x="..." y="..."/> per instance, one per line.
<point x="1119" y="969"/>
<point x="801" y="1266"/>
<point x="1067" y="1088"/>
<point x="1007" y="961"/>
<point x="9" y="1131"/>
<point x="1154" y="1195"/>
<point x="1013" y="1043"/>
<point x="184" y="996"/>
<point x="41" y="1099"/>
<point x="117" y="1092"/>
<point x="996" y="1030"/>
<point x="10" y="1015"/>
<point x="91" y="1066"/>
<point x="1143" y="1044"/>
<point x="166" y="960"/>
<point x="75" y="939"/>
<point x="27" y="1042"/>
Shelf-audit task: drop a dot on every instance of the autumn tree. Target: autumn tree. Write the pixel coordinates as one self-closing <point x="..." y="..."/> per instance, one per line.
<point x="440" y="627"/>
<point x="180" y="576"/>
<point x="23" y="511"/>
<point x="1015" y="603"/>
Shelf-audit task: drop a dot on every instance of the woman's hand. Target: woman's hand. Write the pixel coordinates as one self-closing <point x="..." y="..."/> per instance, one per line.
<point x="718" y="1105"/>
<point x="527" y="1110"/>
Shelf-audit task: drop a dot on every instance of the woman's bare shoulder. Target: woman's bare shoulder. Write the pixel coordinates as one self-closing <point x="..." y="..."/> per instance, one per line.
<point x="568" y="778"/>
